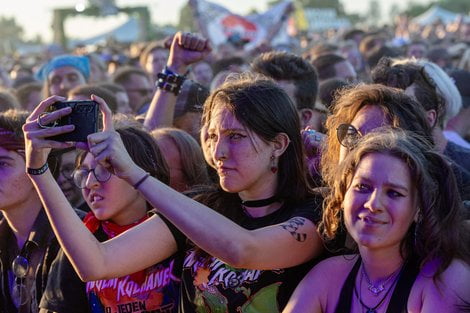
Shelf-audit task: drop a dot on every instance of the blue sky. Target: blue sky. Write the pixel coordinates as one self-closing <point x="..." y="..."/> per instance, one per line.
<point x="36" y="15"/>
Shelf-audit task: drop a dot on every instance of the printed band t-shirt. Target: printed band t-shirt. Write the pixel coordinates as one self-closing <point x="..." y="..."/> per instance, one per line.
<point x="214" y="286"/>
<point x="156" y="289"/>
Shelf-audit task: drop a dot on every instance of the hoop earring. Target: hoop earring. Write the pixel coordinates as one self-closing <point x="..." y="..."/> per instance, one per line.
<point x="273" y="165"/>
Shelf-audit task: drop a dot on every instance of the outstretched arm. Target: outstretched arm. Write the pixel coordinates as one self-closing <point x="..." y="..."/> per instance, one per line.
<point x="185" y="50"/>
<point x="91" y="259"/>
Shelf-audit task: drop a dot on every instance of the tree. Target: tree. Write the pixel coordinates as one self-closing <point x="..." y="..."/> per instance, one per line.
<point x="374" y="12"/>
<point x="186" y="22"/>
<point x="457" y="6"/>
<point x="11" y="33"/>
<point x="335" y="4"/>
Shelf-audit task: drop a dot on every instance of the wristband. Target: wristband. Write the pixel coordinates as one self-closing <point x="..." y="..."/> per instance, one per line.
<point x="170" y="81"/>
<point x="137" y="184"/>
<point x="38" y="171"/>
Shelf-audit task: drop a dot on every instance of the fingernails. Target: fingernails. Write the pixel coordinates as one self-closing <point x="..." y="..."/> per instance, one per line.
<point x="70" y="127"/>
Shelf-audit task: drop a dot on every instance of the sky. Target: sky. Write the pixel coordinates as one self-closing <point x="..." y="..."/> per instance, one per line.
<point x="35" y="16"/>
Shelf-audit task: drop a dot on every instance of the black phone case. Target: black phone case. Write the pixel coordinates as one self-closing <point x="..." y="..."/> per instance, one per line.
<point x="84" y="116"/>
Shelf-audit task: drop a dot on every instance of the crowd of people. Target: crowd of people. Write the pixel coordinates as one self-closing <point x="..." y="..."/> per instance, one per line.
<point x="332" y="178"/>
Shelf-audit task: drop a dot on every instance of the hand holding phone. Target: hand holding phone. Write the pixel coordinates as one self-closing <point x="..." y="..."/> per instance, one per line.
<point x="84" y="116"/>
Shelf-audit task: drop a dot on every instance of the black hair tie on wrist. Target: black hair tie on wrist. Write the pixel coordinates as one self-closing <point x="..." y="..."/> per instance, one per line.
<point x="38" y="171"/>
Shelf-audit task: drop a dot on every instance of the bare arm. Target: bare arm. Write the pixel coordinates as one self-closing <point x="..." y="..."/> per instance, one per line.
<point x="185" y="50"/>
<point x="91" y="259"/>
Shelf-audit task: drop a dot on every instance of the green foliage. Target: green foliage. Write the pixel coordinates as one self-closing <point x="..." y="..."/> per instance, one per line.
<point x="186" y="22"/>
<point x="457" y="6"/>
<point x="415" y="9"/>
<point x="9" y="30"/>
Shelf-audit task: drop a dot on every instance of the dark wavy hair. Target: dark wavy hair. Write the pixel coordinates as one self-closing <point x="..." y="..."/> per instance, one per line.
<point x="440" y="234"/>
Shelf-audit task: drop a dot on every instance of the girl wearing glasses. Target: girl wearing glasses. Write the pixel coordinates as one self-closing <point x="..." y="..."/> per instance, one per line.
<point x="398" y="200"/>
<point x="116" y="207"/>
<point x="251" y="249"/>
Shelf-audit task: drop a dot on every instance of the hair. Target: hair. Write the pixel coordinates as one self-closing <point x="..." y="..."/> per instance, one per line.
<point x="263" y="107"/>
<point x="149" y="49"/>
<point x="13" y="120"/>
<point x="225" y="64"/>
<point x="349" y="35"/>
<point x="23" y="92"/>
<point x="8" y="101"/>
<point x="369" y="42"/>
<point x="400" y="109"/>
<point x="192" y="158"/>
<point x="124" y="73"/>
<point x="329" y="89"/>
<point x="325" y="65"/>
<point x="290" y="67"/>
<point x="321" y="49"/>
<point x="114" y="88"/>
<point x="89" y="89"/>
<point x="373" y="57"/>
<point x="439" y="234"/>
<point x="434" y="89"/>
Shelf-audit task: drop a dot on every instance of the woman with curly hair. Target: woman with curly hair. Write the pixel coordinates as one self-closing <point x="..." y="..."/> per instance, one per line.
<point x="398" y="199"/>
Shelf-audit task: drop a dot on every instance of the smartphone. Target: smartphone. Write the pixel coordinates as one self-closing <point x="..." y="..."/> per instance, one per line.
<point x="84" y="115"/>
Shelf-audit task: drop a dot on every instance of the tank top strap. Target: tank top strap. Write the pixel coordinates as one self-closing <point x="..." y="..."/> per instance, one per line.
<point x="399" y="300"/>
<point x="345" y="297"/>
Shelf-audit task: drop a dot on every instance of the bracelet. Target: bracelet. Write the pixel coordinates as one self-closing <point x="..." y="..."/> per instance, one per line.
<point x="38" y="171"/>
<point x="170" y="81"/>
<point x="137" y="184"/>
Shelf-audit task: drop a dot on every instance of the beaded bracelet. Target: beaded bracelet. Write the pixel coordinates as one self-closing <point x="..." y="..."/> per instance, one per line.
<point x="170" y="81"/>
<point x="38" y="171"/>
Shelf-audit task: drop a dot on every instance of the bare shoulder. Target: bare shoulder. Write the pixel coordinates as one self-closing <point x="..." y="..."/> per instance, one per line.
<point x="450" y="290"/>
<point x="320" y="289"/>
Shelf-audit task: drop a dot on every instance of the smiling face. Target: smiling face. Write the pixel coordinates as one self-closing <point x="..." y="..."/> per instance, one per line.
<point x="114" y="199"/>
<point x="242" y="158"/>
<point x="368" y="118"/>
<point x="380" y="202"/>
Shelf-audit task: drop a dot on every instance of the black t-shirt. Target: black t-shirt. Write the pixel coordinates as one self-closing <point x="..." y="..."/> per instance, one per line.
<point x="214" y="286"/>
<point x="157" y="291"/>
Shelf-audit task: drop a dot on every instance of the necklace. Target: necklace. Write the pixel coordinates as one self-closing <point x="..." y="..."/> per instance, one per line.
<point x="377" y="289"/>
<point x="259" y="203"/>
<point x="359" y="296"/>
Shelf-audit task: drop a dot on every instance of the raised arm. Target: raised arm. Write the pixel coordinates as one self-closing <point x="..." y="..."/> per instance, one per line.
<point x="185" y="50"/>
<point x="91" y="259"/>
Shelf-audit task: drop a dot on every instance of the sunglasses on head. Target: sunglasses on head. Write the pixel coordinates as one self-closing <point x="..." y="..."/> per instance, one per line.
<point x="347" y="135"/>
<point x="20" y="268"/>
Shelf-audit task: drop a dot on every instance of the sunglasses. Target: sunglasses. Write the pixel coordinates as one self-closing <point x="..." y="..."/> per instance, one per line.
<point x="80" y="176"/>
<point x="348" y="135"/>
<point x="20" y="268"/>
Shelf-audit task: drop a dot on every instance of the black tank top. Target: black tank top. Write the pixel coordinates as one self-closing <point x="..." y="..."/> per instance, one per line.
<point x="399" y="300"/>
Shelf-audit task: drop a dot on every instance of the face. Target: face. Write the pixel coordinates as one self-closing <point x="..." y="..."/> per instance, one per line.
<point x="366" y="120"/>
<point x="63" y="79"/>
<point x="203" y="73"/>
<point x="123" y="103"/>
<point x="344" y="70"/>
<point x="16" y="190"/>
<point x="114" y="199"/>
<point x="33" y="100"/>
<point x="139" y="91"/>
<point x="156" y="61"/>
<point x="242" y="159"/>
<point x="65" y="181"/>
<point x="379" y="205"/>
<point x="173" y="159"/>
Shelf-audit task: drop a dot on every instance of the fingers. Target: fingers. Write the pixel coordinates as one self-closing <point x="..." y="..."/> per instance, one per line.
<point x="192" y="42"/>
<point x="106" y="112"/>
<point x="47" y="118"/>
<point x="43" y="105"/>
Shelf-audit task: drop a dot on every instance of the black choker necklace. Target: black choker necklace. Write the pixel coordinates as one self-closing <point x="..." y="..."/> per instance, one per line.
<point x="259" y="203"/>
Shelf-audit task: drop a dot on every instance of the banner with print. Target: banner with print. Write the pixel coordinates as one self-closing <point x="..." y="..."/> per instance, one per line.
<point x="221" y="25"/>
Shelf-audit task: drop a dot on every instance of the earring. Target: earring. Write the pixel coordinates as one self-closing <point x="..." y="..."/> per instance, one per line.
<point x="273" y="165"/>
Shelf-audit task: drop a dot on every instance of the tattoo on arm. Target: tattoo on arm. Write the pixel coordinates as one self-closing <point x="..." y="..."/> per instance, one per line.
<point x="293" y="225"/>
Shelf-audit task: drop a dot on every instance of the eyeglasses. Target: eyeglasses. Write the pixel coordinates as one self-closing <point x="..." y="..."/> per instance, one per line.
<point x="80" y="176"/>
<point x="348" y="135"/>
<point x="20" y="269"/>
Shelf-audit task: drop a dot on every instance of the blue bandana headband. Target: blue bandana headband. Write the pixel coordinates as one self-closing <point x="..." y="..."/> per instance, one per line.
<point x="81" y="63"/>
